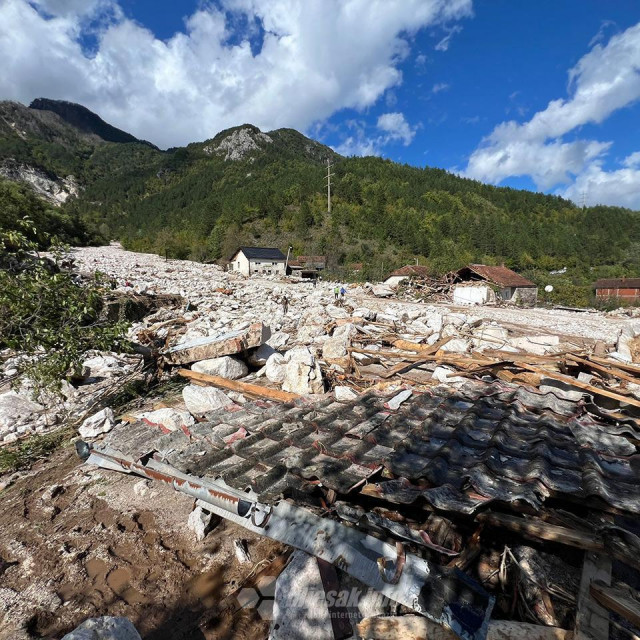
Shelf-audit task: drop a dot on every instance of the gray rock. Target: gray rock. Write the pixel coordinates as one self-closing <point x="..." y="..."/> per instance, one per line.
<point x="16" y="409"/>
<point x="199" y="522"/>
<point x="98" y="423"/>
<point x="105" y="628"/>
<point x="258" y="357"/>
<point x="276" y="368"/>
<point x="200" y="400"/>
<point x="302" y="373"/>
<point x="457" y="345"/>
<point x="224" y="367"/>
<point x="169" y="419"/>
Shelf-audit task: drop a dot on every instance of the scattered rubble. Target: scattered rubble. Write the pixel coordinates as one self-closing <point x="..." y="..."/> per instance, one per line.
<point x="438" y="439"/>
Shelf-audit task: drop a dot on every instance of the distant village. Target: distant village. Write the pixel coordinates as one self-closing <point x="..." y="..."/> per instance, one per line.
<point x="473" y="284"/>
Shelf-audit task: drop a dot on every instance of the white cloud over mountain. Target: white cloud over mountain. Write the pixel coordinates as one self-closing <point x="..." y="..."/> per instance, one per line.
<point x="606" y="79"/>
<point x="316" y="57"/>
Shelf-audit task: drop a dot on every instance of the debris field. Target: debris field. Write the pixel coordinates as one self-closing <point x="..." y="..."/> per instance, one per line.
<point x="466" y="477"/>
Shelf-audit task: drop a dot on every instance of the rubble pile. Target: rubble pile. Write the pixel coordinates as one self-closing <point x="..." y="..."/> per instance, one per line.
<point x="482" y="475"/>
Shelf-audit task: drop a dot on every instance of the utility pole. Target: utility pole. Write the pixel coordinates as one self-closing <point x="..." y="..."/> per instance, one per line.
<point x="329" y="176"/>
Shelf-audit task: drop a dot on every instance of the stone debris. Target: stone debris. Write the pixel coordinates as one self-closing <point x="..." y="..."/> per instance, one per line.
<point x="105" y="628"/>
<point x="225" y="367"/>
<point x="302" y="372"/>
<point x="200" y="400"/>
<point x="168" y="419"/>
<point x="98" y="423"/>
<point x="200" y="523"/>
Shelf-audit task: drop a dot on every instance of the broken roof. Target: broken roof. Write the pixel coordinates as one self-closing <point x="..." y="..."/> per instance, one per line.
<point x="262" y="253"/>
<point x="617" y="283"/>
<point x="502" y="276"/>
<point x="458" y="451"/>
<point x="411" y="270"/>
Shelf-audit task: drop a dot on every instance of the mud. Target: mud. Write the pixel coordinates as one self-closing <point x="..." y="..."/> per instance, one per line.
<point x="78" y="542"/>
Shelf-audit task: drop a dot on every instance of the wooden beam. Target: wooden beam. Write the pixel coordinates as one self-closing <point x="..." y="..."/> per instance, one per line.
<point x="539" y="530"/>
<point x="617" y="600"/>
<point x="412" y="627"/>
<point x="425" y="349"/>
<point x="612" y="370"/>
<point x="254" y="390"/>
<point x="583" y="385"/>
<point x="592" y="620"/>
<point x="625" y="366"/>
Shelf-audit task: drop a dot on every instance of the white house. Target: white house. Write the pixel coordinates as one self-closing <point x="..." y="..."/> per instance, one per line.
<point x="258" y="261"/>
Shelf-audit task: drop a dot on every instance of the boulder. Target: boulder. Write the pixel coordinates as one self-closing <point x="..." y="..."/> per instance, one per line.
<point x="308" y="332"/>
<point x="334" y="349"/>
<point x="104" y="366"/>
<point x="302" y="373"/>
<point x="336" y="312"/>
<point x="275" y="368"/>
<point x="98" y="423"/>
<point x="169" y="419"/>
<point x="382" y="291"/>
<point x="364" y="312"/>
<point x="200" y="400"/>
<point x="224" y="367"/>
<point x="105" y="628"/>
<point x="278" y="340"/>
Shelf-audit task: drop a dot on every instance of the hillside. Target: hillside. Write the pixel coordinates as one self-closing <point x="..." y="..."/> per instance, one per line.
<point x="248" y="186"/>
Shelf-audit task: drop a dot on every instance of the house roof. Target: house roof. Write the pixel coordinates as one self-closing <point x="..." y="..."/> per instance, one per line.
<point x="262" y="253"/>
<point x="411" y="270"/>
<point x="314" y="259"/>
<point x="502" y="276"/>
<point x="617" y="283"/>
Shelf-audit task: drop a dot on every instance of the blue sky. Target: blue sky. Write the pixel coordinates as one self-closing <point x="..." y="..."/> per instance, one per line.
<point x="541" y="95"/>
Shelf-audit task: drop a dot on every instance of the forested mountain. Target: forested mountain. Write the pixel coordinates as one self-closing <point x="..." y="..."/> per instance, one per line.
<point x="244" y="186"/>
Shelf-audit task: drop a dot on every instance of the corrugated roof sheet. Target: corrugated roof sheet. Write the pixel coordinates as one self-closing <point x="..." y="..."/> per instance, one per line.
<point x="456" y="450"/>
<point x="617" y="283"/>
<point x="502" y="276"/>
<point x="262" y="253"/>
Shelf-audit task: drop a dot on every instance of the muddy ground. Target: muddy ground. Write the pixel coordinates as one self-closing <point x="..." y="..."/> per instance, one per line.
<point x="80" y="542"/>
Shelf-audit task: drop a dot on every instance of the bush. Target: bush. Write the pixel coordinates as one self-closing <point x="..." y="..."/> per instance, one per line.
<point x="45" y="313"/>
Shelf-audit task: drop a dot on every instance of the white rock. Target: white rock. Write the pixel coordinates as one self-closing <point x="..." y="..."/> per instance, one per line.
<point x="538" y="345"/>
<point x="278" y="340"/>
<point x="336" y="312"/>
<point x="434" y="321"/>
<point x="98" y="423"/>
<point x="457" y="345"/>
<point x="364" y="312"/>
<point x="302" y="374"/>
<point x="298" y="612"/>
<point x="198" y="522"/>
<point x="104" y="366"/>
<point x="344" y="394"/>
<point x="200" y="400"/>
<point x="141" y="488"/>
<point x="105" y="628"/>
<point x="441" y="374"/>
<point x="170" y="419"/>
<point x="258" y="357"/>
<point x="275" y="368"/>
<point x="16" y="409"/>
<point x="225" y="367"/>
<point x="335" y="348"/>
<point x="386" y="318"/>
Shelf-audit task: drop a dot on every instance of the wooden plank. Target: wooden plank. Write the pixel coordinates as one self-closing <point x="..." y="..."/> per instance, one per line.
<point x="592" y="620"/>
<point x="539" y="530"/>
<point x="254" y="390"/>
<point x="625" y="366"/>
<point x="583" y="385"/>
<point x="426" y="349"/>
<point x="611" y="370"/>
<point x="617" y="600"/>
<point x="412" y="627"/>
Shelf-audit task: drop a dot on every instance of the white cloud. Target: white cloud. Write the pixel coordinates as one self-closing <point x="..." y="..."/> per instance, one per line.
<point x="396" y="127"/>
<point x="195" y="83"/>
<point x="391" y="127"/>
<point x="604" y="80"/>
<point x="443" y="45"/>
<point x="619" y="187"/>
<point x="440" y="86"/>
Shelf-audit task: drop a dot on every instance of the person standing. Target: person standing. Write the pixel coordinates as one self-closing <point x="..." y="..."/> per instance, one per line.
<point x="343" y="292"/>
<point x="336" y="291"/>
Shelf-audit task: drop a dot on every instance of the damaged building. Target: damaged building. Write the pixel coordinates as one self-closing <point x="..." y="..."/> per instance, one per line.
<point x="482" y="284"/>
